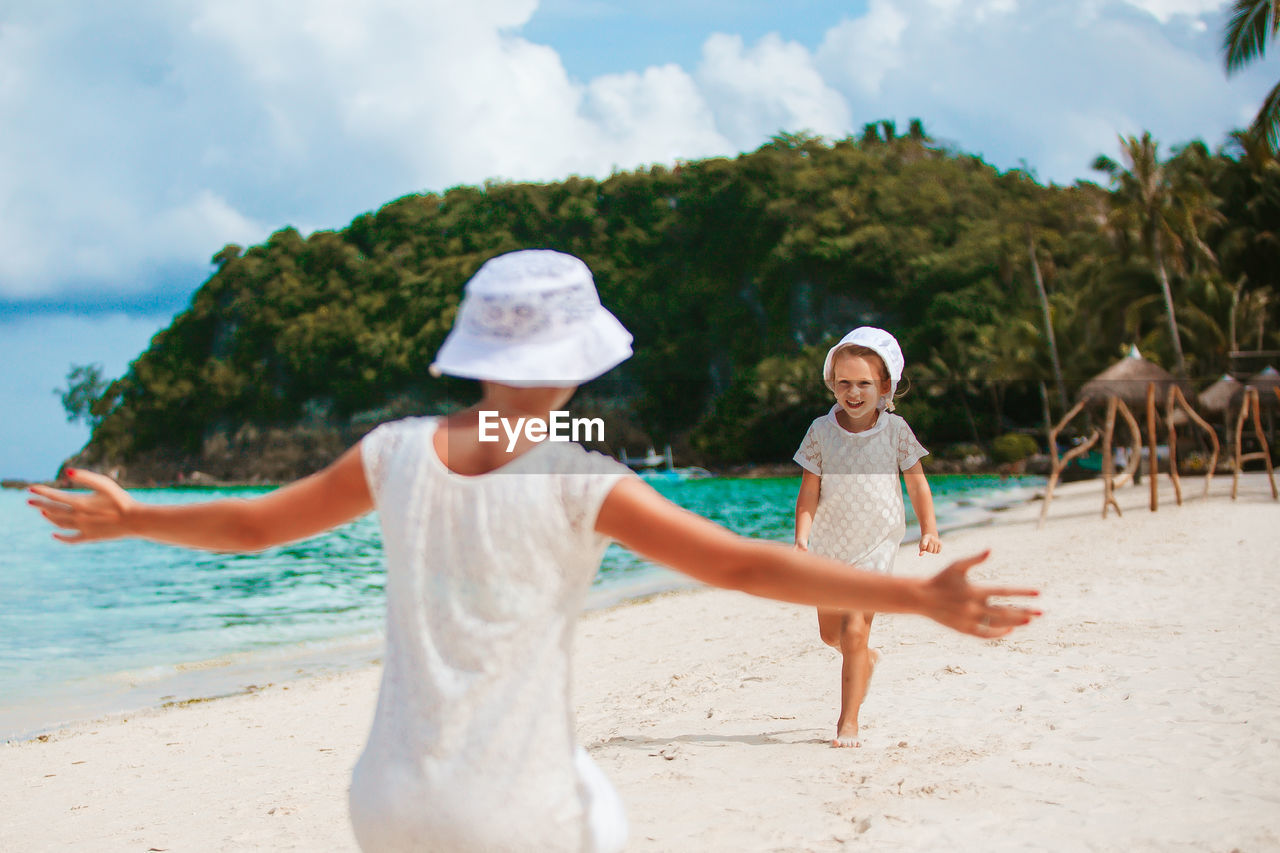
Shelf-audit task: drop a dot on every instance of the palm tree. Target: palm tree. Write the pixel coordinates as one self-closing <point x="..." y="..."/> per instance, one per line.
<point x="1140" y="204"/>
<point x="1047" y="318"/>
<point x="1249" y="241"/>
<point x="971" y="358"/>
<point x="1251" y="25"/>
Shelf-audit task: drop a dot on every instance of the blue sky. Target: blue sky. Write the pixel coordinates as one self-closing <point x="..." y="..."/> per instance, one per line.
<point x="136" y="145"/>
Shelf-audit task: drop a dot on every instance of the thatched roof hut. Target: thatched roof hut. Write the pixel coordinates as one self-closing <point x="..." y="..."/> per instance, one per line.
<point x="1265" y="380"/>
<point x="1128" y="379"/>
<point x="1223" y="396"/>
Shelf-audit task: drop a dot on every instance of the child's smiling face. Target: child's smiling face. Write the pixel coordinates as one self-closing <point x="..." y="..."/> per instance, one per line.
<point x="859" y="383"/>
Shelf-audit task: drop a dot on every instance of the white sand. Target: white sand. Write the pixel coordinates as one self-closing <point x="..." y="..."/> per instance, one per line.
<point x="1141" y="713"/>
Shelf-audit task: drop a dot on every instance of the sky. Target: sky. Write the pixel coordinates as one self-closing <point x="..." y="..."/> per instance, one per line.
<point x="136" y="140"/>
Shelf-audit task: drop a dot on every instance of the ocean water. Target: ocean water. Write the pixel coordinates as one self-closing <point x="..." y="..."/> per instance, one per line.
<point x="93" y="629"/>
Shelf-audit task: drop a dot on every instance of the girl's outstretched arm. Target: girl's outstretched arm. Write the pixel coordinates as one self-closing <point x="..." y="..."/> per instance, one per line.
<point x="645" y="522"/>
<point x="304" y="508"/>
<point x="922" y="503"/>
<point x="806" y="506"/>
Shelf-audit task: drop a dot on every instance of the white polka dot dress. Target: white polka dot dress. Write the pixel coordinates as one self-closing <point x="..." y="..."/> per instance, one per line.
<point x="860" y="517"/>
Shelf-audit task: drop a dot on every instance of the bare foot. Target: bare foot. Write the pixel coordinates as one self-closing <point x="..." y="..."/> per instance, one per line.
<point x="845" y="741"/>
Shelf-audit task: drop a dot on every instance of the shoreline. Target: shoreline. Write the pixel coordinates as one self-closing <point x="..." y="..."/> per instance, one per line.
<point x="1038" y="467"/>
<point x="132" y="693"/>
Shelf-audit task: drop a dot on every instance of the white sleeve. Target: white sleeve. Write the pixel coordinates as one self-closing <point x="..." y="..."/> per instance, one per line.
<point x="378" y="450"/>
<point x="809" y="456"/>
<point x="585" y="484"/>
<point x="910" y="450"/>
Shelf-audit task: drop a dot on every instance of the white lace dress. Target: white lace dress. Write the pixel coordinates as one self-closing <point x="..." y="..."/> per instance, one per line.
<point x="473" y="745"/>
<point x="860" y="517"/>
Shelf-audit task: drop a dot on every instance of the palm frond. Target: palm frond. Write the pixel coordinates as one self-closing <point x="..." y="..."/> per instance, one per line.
<point x="1250" y="25"/>
<point x="1267" y="123"/>
<point x="1103" y="163"/>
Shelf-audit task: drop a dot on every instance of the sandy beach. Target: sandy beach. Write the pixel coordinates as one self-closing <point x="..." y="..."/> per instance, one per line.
<point x="1141" y="713"/>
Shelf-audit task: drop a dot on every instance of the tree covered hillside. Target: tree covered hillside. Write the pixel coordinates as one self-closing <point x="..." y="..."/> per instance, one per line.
<point x="734" y="275"/>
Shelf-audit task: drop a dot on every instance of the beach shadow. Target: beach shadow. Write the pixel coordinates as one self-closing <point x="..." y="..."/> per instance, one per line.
<point x="763" y="739"/>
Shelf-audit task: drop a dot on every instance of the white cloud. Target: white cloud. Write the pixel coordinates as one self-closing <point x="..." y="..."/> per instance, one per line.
<point x="1163" y="10"/>
<point x="184" y="226"/>
<point x="657" y="116"/>
<point x="451" y="94"/>
<point x="977" y="10"/>
<point x="1048" y="83"/>
<point x="101" y="175"/>
<point x="861" y="52"/>
<point x="196" y="125"/>
<point x="770" y="87"/>
<point x="141" y="142"/>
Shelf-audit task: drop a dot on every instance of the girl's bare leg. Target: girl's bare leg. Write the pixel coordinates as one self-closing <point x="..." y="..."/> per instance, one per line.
<point x="849" y="633"/>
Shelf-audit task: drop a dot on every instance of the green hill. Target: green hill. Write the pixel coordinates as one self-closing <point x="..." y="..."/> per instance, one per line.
<point x="733" y="275"/>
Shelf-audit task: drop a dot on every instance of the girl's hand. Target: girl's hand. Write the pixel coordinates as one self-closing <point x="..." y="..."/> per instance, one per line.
<point x="101" y="514"/>
<point x="930" y="543"/>
<point x="802" y="546"/>
<point x="954" y="602"/>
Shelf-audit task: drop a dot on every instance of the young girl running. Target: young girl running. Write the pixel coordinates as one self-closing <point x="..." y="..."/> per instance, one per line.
<point x="491" y="546"/>
<point x="850" y="505"/>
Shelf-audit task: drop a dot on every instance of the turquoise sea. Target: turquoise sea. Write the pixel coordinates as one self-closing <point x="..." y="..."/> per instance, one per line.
<point x="109" y="627"/>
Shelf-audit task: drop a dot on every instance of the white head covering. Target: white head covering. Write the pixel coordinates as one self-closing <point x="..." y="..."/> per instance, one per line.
<point x="884" y="345"/>
<point x="533" y="318"/>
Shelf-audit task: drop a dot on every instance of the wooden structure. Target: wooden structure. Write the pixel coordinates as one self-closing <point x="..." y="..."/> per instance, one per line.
<point x="1056" y="465"/>
<point x="1221" y="398"/>
<point x="1137" y="383"/>
<point x="1109" y="479"/>
<point x="1177" y="399"/>
<point x="1267" y="381"/>
<point x="1121" y="387"/>
<point x="1251" y="406"/>
<point x="1245" y="362"/>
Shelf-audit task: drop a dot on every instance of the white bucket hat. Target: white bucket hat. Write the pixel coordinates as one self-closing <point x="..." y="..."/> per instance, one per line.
<point x="882" y="344"/>
<point x="532" y="318"/>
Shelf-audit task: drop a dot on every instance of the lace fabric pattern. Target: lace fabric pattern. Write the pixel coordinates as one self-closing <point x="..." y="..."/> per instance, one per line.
<point x="860" y="518"/>
<point x="485" y="578"/>
<point x="533" y="316"/>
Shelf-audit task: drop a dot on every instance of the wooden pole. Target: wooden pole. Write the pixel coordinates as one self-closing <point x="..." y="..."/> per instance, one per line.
<point x="1153" y="466"/>
<point x="1238" y="465"/>
<point x="1251" y="406"/>
<point x="1262" y="441"/>
<point x="1056" y="465"/>
<point x="1108" y="467"/>
<point x="1173" y="446"/>
<point x="1176" y="396"/>
<point x="1135" y="444"/>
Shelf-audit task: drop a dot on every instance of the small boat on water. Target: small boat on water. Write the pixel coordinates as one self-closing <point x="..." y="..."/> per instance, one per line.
<point x="652" y="459"/>
<point x="661" y="466"/>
